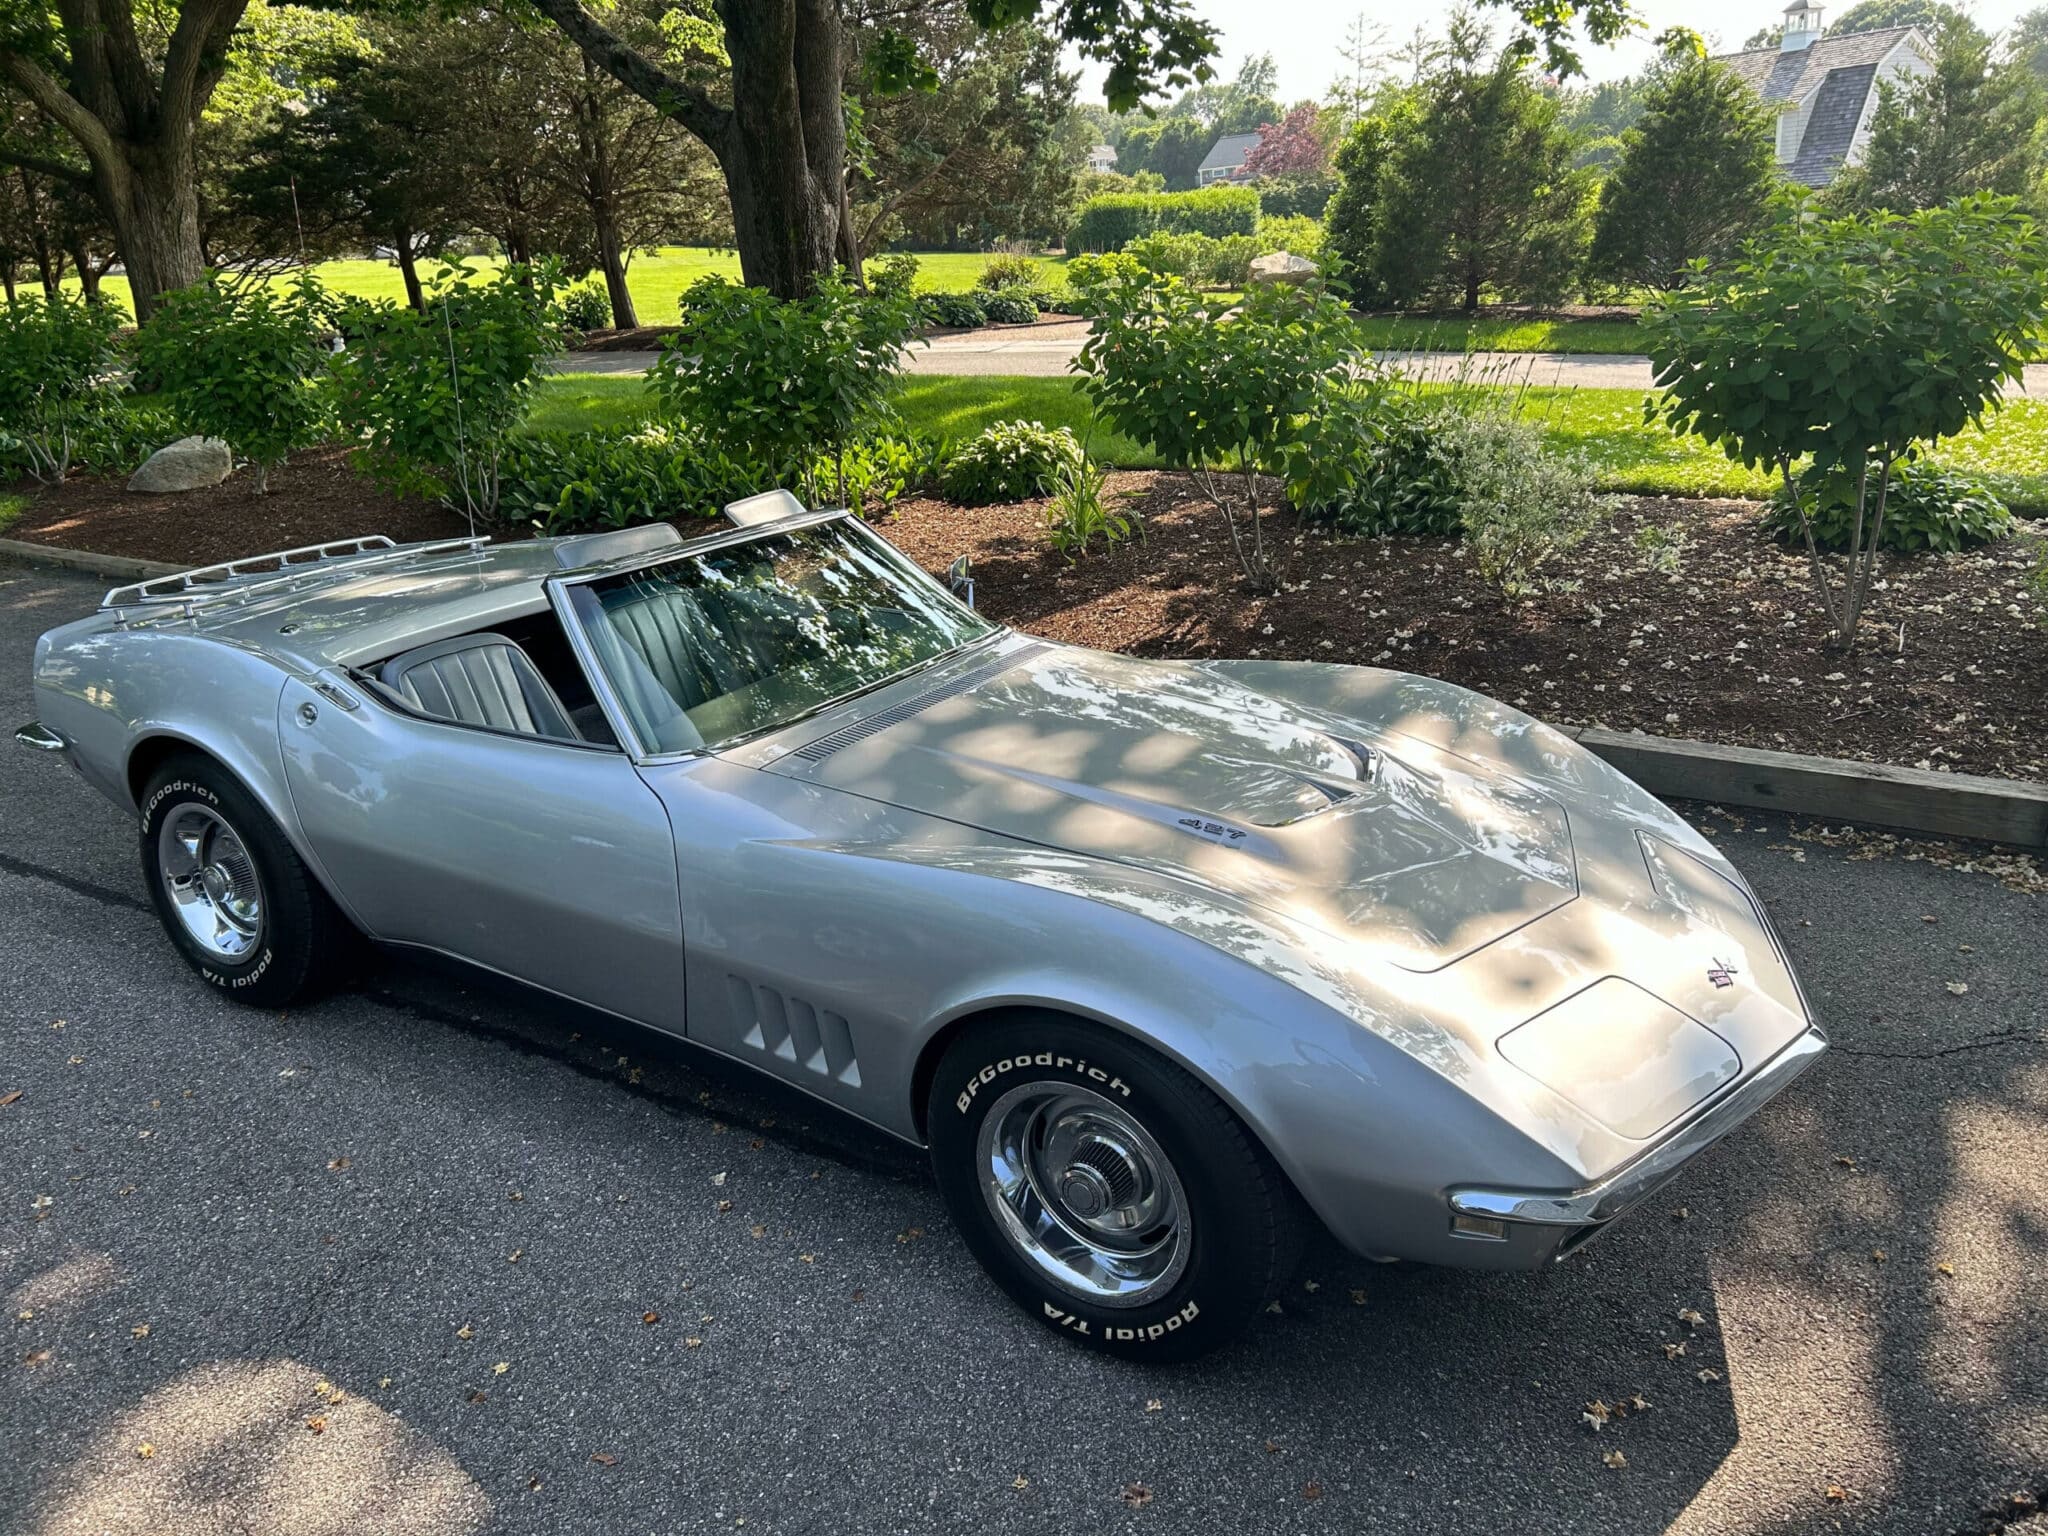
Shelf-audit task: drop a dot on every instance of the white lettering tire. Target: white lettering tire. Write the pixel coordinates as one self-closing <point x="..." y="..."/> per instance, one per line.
<point x="1109" y="1192"/>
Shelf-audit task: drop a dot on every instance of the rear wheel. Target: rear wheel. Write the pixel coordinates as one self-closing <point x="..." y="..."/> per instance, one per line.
<point x="1110" y="1193"/>
<point x="231" y="892"/>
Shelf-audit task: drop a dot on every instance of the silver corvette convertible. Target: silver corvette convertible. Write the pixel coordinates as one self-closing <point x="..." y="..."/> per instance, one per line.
<point x="1161" y="960"/>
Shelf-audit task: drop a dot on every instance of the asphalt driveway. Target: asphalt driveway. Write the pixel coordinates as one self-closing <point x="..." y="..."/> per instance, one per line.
<point x="430" y="1257"/>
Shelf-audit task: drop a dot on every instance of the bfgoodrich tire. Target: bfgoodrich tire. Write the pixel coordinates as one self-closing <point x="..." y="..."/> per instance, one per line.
<point x="235" y="898"/>
<point x="1111" y="1194"/>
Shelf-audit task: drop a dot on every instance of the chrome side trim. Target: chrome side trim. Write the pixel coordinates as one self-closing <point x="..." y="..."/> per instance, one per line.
<point x="41" y="737"/>
<point x="1618" y="1191"/>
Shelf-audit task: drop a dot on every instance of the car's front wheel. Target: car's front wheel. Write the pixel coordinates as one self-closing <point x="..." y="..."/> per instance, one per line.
<point x="232" y="893"/>
<point x="1115" y="1197"/>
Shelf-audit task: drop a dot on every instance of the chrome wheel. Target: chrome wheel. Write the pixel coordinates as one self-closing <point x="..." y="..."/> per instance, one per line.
<point x="1084" y="1193"/>
<point x="211" y="881"/>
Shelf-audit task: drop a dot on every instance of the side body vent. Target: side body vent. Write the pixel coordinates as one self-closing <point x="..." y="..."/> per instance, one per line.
<point x="822" y="747"/>
<point x="793" y="1031"/>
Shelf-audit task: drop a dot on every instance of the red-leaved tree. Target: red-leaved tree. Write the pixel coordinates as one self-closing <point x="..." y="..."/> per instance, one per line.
<point x="1288" y="148"/>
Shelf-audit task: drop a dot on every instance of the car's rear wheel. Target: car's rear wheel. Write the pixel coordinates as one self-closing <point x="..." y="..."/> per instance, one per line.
<point x="231" y="891"/>
<point x="1115" y="1197"/>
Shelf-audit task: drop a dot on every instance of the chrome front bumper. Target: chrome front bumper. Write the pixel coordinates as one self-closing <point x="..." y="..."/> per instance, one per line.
<point x="1601" y="1202"/>
<point x="41" y="737"/>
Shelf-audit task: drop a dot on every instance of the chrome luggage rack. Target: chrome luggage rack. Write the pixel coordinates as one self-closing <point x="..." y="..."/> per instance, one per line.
<point x="183" y="591"/>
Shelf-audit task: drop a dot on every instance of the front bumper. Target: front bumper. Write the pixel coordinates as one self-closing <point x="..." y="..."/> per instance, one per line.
<point x="1580" y="1211"/>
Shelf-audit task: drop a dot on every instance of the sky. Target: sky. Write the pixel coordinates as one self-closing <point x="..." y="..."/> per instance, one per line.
<point x="1304" y="35"/>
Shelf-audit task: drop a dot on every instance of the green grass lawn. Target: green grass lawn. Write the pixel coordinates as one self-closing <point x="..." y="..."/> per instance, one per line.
<point x="1437" y="333"/>
<point x="11" y="508"/>
<point x="657" y="278"/>
<point x="1603" y="426"/>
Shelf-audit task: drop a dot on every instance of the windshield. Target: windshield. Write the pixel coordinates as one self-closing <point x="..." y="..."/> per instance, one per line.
<point x="708" y="649"/>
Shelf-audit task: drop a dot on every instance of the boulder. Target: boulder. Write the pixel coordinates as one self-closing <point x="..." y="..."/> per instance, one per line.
<point x="1282" y="267"/>
<point x="189" y="464"/>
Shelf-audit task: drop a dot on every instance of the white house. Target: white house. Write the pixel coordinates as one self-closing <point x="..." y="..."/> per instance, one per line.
<point x="1827" y="89"/>
<point x="1225" y="160"/>
<point x="1101" y="159"/>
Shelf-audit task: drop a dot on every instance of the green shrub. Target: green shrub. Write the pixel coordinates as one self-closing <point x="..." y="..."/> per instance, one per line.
<point x="587" y="308"/>
<point x="57" y="358"/>
<point x="881" y="469"/>
<point x="1225" y="392"/>
<point x="964" y="310"/>
<point x="1851" y="345"/>
<point x="780" y="385"/>
<point x="1306" y="193"/>
<point x="1186" y="257"/>
<point x="435" y="395"/>
<point x="1113" y="221"/>
<point x="893" y="276"/>
<point x="1077" y="516"/>
<point x="1005" y="271"/>
<point x="1010" y="461"/>
<point x="239" y="364"/>
<point x="1379" y="469"/>
<point x="1009" y="306"/>
<point x="1925" y="508"/>
<point x="110" y="441"/>
<point x="570" y="482"/>
<point x="1522" y="505"/>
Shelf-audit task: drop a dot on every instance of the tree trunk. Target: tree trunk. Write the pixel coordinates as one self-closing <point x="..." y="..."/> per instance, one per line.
<point x="88" y="270"/>
<point x="7" y="278"/>
<point x="408" y="267"/>
<point x="152" y="201"/>
<point x="600" y="189"/>
<point x="781" y="145"/>
<point x="1472" y="288"/>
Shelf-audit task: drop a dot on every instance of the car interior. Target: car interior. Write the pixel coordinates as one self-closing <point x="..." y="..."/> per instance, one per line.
<point x="519" y="677"/>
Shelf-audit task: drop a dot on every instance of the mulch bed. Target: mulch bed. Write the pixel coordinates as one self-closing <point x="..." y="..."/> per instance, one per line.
<point x="1730" y="646"/>
<point x="313" y="498"/>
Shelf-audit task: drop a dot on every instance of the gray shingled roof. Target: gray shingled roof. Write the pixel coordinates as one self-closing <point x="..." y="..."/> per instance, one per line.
<point x="1794" y="76"/>
<point x="1831" y="126"/>
<point x="1836" y="72"/>
<point x="1228" y="152"/>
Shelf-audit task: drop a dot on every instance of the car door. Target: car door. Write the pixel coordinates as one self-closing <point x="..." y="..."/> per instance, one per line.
<point x="548" y="861"/>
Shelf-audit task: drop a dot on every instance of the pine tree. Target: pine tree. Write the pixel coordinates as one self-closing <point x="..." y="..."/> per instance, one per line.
<point x="1482" y="194"/>
<point x="1695" y="176"/>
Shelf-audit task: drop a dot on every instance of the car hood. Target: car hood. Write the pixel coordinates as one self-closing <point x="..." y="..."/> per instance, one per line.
<point x="1175" y="768"/>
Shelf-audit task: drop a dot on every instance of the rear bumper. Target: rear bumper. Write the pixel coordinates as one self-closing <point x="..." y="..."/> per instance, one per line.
<point x="41" y="737"/>
<point x="1550" y="1223"/>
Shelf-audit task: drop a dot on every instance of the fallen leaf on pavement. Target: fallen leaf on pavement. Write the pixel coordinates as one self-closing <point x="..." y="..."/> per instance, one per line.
<point x="1311" y="1286"/>
<point x="1020" y="1482"/>
<point x="1959" y="987"/>
<point x="336" y="1164"/>
<point x="465" y="1332"/>
<point x="1358" y="1298"/>
<point x="1272" y="1448"/>
<point x="650" y="1318"/>
<point x="1708" y="1373"/>
<point x="317" y="1424"/>
<point x="12" y="1095"/>
<point x="1137" y="1495"/>
<point x="139" y="1331"/>
<point x="1312" y="1491"/>
<point x="1877" y="1255"/>
<point x="1690" y="1318"/>
<point x="1615" y="1460"/>
<point x="1153" y="1405"/>
<point x="1837" y="1494"/>
<point x="1673" y="1351"/>
<point x="1639" y="1403"/>
<point x="1846" y="1162"/>
<point x="40" y="1357"/>
<point x="501" y="1368"/>
<point x="693" y="1342"/>
<point x="145" y="1450"/>
<point x="724" y="1206"/>
<point x="1944" y="1268"/>
<point x="515" y="1255"/>
<point x="718" y="1181"/>
<point x="604" y="1458"/>
<point x="1596" y="1415"/>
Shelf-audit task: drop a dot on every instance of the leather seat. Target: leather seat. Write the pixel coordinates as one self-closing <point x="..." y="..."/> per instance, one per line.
<point x="484" y="680"/>
<point x="680" y="644"/>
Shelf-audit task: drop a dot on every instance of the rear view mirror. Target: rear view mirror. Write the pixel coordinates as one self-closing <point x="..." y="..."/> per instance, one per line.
<point x="960" y="580"/>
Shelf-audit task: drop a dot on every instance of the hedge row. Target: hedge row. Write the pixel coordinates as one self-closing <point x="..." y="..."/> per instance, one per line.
<point x="1111" y="222"/>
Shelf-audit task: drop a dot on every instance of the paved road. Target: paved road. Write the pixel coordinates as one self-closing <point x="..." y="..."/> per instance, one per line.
<point x="384" y="1265"/>
<point x="1032" y="354"/>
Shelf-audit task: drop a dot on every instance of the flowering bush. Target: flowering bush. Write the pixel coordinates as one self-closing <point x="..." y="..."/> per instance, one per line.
<point x="1010" y="461"/>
